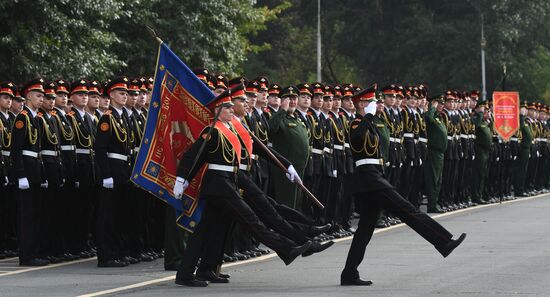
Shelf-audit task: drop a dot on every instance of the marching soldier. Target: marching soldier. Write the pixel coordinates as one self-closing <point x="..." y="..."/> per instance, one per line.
<point x="220" y="192"/>
<point x="24" y="154"/>
<point x="373" y="192"/>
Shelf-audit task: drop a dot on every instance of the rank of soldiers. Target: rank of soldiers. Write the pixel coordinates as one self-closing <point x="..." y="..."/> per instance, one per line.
<point x="68" y="149"/>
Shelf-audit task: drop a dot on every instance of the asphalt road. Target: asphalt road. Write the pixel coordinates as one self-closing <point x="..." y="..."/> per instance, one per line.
<point x="506" y="253"/>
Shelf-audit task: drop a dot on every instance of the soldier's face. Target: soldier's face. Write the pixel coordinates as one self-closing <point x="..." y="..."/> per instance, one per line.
<point x="240" y="106"/>
<point x="274" y="101"/>
<point x="118" y="98"/>
<point x="141" y="99"/>
<point x="262" y="98"/>
<point x="327" y="103"/>
<point x="317" y="101"/>
<point x="252" y="98"/>
<point x="226" y="114"/>
<point x="80" y="100"/>
<point x="304" y="101"/>
<point x="5" y="102"/>
<point x="48" y="103"/>
<point x="132" y="99"/>
<point x="347" y="104"/>
<point x="61" y="100"/>
<point x="35" y="99"/>
<point x="93" y="101"/>
<point x="16" y="106"/>
<point x="389" y="100"/>
<point x="336" y="103"/>
<point x="104" y="102"/>
<point x="292" y="103"/>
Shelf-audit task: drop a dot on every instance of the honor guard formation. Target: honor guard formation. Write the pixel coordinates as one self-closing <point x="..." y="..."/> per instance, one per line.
<point x="377" y="154"/>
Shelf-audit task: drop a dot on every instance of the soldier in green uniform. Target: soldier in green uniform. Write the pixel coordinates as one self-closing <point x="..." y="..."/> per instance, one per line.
<point x="437" y="144"/>
<point x="525" y="136"/>
<point x="482" y="150"/>
<point x="285" y="128"/>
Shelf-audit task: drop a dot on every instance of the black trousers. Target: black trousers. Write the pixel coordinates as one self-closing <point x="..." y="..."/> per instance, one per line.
<point x="389" y="199"/>
<point x="28" y="230"/>
<point x="220" y="210"/>
<point x="108" y="223"/>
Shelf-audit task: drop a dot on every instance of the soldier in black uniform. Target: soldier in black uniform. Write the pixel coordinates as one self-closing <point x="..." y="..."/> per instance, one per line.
<point x="347" y="116"/>
<point x="51" y="223"/>
<point x="7" y="199"/>
<point x="373" y="192"/>
<point x="83" y="128"/>
<point x="410" y="132"/>
<point x="70" y="220"/>
<point x="220" y="191"/>
<point x="113" y="151"/>
<point x="24" y="154"/>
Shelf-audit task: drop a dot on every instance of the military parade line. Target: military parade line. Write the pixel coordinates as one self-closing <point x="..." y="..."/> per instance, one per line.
<point x="373" y="153"/>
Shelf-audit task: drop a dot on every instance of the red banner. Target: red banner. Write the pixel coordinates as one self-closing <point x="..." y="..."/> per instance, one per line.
<point x="506" y="113"/>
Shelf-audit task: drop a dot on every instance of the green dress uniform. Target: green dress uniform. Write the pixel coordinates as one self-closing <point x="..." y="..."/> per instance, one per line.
<point x="520" y="165"/>
<point x="384" y="134"/>
<point x="289" y="137"/>
<point x="483" y="143"/>
<point x="437" y="145"/>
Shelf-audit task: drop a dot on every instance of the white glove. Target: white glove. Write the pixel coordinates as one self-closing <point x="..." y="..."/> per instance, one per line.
<point x="473" y="157"/>
<point x="538" y="154"/>
<point x="108" y="183"/>
<point x="44" y="185"/>
<point x="292" y="175"/>
<point x="179" y="187"/>
<point x="498" y="159"/>
<point x="420" y="164"/>
<point x="23" y="183"/>
<point x="6" y="182"/>
<point x="515" y="157"/>
<point x="387" y="164"/>
<point x="371" y="108"/>
<point x="77" y="184"/>
<point x="335" y="173"/>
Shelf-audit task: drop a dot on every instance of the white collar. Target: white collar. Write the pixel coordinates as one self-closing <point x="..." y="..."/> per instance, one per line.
<point x="60" y="110"/>
<point x="118" y="110"/>
<point x="317" y="112"/>
<point x="100" y="112"/>
<point x="33" y="113"/>
<point x="6" y="114"/>
<point x="81" y="112"/>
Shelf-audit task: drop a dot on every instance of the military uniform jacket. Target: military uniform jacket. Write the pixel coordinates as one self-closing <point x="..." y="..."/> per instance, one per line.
<point x="25" y="140"/>
<point x="50" y="144"/>
<point x="309" y="126"/>
<point x="447" y="118"/>
<point x="422" y="144"/>
<point x="84" y="139"/>
<point x="329" y="168"/>
<point x="346" y="122"/>
<point x="318" y="141"/>
<point x="410" y="134"/>
<point x="290" y="138"/>
<point x="526" y="134"/>
<point x="436" y="131"/>
<point x="483" y="132"/>
<point x="393" y="127"/>
<point x="113" y="147"/>
<point x="384" y="137"/>
<point x="66" y="137"/>
<point x="339" y="142"/>
<point x="261" y="129"/>
<point x="365" y="144"/>
<point x="218" y="150"/>
<point x="5" y="143"/>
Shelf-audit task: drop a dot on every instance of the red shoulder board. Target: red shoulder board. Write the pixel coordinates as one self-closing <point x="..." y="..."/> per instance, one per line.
<point x="267" y="110"/>
<point x="330" y="115"/>
<point x="53" y="112"/>
<point x="341" y="113"/>
<point x="71" y="113"/>
<point x="108" y="112"/>
<point x="309" y="113"/>
<point x="24" y="112"/>
<point x="39" y="114"/>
